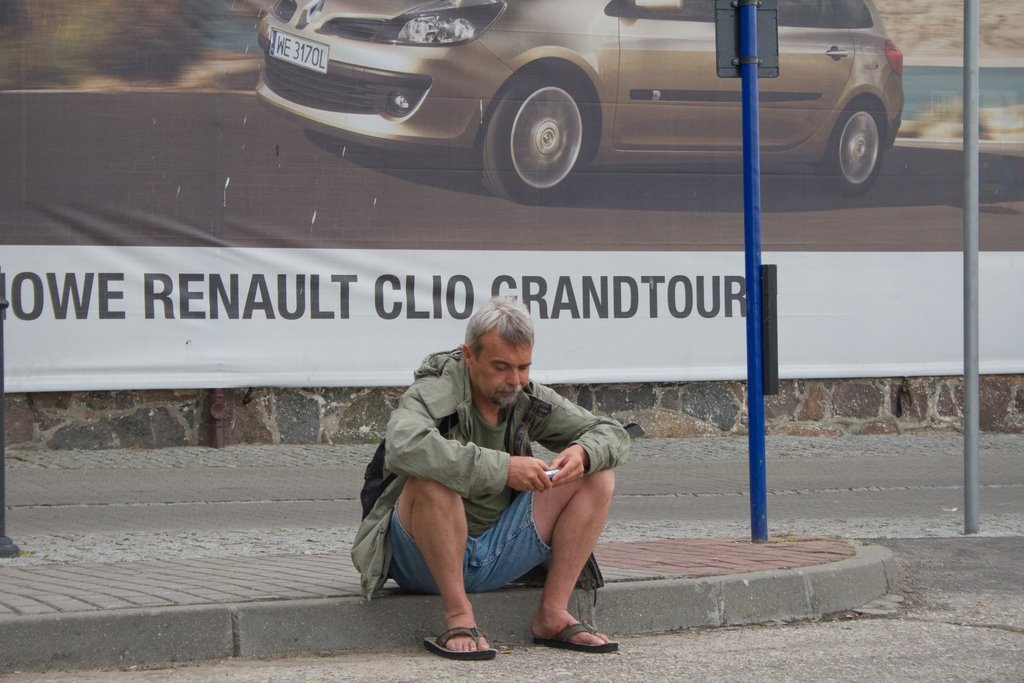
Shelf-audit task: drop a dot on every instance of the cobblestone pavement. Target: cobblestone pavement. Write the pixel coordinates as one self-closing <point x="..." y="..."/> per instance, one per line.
<point x="713" y="448"/>
<point x="88" y="587"/>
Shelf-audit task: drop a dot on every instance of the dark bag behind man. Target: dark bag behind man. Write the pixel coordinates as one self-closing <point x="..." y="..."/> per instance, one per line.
<point x="374" y="480"/>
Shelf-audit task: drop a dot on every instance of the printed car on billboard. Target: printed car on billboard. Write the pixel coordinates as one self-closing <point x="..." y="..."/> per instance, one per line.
<point x="539" y="90"/>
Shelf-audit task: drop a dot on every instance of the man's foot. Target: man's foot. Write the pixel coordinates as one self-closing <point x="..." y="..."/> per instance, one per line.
<point x="564" y="631"/>
<point x="564" y="640"/>
<point x="457" y="640"/>
<point x="465" y="639"/>
<point x="442" y="645"/>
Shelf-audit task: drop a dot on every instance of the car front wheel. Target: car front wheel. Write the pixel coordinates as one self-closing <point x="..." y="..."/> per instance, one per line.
<point x="855" y="152"/>
<point x="533" y="142"/>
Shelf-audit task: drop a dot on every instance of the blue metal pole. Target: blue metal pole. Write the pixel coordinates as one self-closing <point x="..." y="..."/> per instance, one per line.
<point x="752" y="241"/>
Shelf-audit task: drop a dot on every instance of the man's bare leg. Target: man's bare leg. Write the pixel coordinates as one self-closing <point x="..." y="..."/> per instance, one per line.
<point x="570" y="519"/>
<point x="434" y="516"/>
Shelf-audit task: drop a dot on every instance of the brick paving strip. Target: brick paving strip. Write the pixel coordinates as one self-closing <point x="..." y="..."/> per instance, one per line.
<point x="86" y="587"/>
<point x="89" y="587"/>
<point x="716" y="557"/>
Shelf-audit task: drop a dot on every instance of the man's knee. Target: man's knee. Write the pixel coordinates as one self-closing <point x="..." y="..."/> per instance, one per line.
<point x="427" y="488"/>
<point x="426" y="496"/>
<point x="598" y="486"/>
<point x="601" y="483"/>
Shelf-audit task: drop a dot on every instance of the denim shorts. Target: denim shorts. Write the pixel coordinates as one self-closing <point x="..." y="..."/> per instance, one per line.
<point x="507" y="550"/>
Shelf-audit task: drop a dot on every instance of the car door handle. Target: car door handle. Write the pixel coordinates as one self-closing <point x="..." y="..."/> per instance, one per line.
<point x="836" y="53"/>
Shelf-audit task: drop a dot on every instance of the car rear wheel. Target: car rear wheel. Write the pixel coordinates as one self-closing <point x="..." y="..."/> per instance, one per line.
<point x="855" y="151"/>
<point x="533" y="142"/>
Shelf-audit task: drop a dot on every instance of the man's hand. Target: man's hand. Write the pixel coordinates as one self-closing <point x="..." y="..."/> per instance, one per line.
<point x="572" y="464"/>
<point x="526" y="473"/>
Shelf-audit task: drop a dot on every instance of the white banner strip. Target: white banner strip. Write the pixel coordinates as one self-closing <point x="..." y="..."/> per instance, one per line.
<point x="103" y="318"/>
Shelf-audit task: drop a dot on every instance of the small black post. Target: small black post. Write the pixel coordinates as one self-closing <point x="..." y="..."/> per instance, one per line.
<point x="7" y="547"/>
<point x="770" y="326"/>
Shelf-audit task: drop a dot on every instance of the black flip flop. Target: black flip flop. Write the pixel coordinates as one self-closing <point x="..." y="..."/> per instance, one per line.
<point x="561" y="640"/>
<point x="437" y="645"/>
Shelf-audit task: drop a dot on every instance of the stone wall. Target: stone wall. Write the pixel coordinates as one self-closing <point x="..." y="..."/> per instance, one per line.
<point x="154" y="419"/>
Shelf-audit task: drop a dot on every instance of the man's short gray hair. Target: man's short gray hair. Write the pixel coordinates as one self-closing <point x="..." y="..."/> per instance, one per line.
<point x="507" y="316"/>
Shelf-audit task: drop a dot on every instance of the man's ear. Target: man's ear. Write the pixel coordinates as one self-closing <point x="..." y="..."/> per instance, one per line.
<point x="467" y="355"/>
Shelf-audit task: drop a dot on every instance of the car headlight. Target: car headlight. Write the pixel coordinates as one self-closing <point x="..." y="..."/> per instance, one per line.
<point x="442" y="22"/>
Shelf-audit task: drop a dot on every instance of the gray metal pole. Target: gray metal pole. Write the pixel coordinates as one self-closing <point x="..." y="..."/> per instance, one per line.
<point x="971" y="181"/>
<point x="7" y="546"/>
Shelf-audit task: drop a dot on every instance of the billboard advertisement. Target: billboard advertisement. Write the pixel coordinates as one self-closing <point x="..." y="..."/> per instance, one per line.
<point x="226" y="193"/>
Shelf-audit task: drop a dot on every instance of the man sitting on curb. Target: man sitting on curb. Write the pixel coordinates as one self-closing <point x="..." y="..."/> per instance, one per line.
<point x="471" y="509"/>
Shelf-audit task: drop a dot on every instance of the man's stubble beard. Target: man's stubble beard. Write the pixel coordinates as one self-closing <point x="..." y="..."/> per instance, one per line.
<point x="506" y="396"/>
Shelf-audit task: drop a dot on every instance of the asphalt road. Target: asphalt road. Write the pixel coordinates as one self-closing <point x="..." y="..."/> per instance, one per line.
<point x="125" y="505"/>
<point x="141" y="168"/>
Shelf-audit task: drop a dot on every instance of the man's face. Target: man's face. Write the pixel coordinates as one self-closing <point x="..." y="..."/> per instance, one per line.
<point x="498" y="372"/>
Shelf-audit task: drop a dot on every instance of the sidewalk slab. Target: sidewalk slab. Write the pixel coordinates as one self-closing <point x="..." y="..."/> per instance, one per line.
<point x="131" y="613"/>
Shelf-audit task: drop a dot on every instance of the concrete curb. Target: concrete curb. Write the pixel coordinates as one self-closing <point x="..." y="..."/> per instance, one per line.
<point x="758" y="597"/>
<point x="274" y="628"/>
<point x="115" y="638"/>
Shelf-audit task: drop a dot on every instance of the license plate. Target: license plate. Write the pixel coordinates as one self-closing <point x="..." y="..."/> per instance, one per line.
<point x="300" y="51"/>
